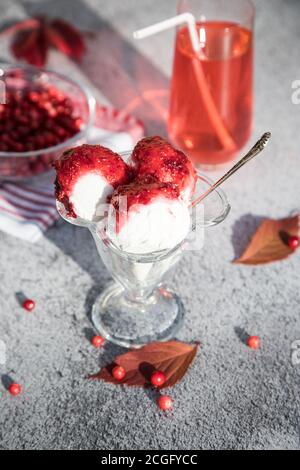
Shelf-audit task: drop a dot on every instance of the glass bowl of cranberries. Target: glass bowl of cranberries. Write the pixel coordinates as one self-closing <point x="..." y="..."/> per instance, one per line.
<point x="42" y="114"/>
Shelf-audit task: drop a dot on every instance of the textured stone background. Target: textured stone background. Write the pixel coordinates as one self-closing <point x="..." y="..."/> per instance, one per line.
<point x="232" y="397"/>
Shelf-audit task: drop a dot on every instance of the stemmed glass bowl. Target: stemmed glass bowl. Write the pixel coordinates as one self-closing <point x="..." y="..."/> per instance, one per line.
<point x="138" y="307"/>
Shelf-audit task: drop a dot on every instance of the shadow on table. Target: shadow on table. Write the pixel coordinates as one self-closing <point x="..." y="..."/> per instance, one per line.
<point x="242" y="232"/>
<point x="126" y="78"/>
<point x="78" y="244"/>
<point x="241" y="334"/>
<point x="293" y="3"/>
<point x="6" y="381"/>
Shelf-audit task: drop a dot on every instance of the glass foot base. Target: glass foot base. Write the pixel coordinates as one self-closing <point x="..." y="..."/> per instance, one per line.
<point x="132" y="324"/>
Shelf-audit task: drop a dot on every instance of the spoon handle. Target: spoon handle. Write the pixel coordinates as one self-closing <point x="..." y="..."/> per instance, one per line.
<point x="255" y="150"/>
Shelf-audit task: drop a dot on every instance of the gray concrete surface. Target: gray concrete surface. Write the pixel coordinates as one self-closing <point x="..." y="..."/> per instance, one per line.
<point x="232" y="398"/>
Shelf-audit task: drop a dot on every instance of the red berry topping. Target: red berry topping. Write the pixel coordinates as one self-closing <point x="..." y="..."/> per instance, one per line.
<point x="28" y="305"/>
<point x="97" y="341"/>
<point x="150" y="147"/>
<point x="253" y="342"/>
<point x="144" y="191"/>
<point x="155" y="156"/>
<point x="165" y="402"/>
<point x="158" y="378"/>
<point x="15" y="389"/>
<point x="86" y="159"/>
<point x="140" y="192"/>
<point x="293" y="242"/>
<point x="118" y="372"/>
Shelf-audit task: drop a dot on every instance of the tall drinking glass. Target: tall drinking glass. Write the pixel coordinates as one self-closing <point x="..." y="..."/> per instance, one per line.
<point x="212" y="91"/>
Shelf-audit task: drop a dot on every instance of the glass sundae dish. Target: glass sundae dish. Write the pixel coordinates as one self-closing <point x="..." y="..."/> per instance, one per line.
<point x="140" y="244"/>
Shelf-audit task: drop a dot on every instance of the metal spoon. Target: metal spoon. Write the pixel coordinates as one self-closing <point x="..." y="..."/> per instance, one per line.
<point x="256" y="149"/>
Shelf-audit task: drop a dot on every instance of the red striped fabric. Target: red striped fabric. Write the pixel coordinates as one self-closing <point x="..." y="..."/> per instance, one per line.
<point x="23" y="203"/>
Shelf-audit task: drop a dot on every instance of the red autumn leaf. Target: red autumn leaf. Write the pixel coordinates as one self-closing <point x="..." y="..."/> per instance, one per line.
<point x="270" y="242"/>
<point x="66" y="38"/>
<point x="33" y="38"/>
<point x="31" y="46"/>
<point x="173" y="358"/>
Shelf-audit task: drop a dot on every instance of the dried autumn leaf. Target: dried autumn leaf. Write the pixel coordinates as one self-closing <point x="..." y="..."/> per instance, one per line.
<point x="33" y="37"/>
<point x="31" y="46"/>
<point x="270" y="242"/>
<point x="173" y="358"/>
<point x="66" y="39"/>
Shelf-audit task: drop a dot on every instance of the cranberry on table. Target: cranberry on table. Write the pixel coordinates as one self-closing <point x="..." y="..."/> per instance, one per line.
<point x="158" y="378"/>
<point x="294" y="242"/>
<point x="15" y="389"/>
<point x="28" y="305"/>
<point x="97" y="341"/>
<point x="253" y="342"/>
<point x="118" y="372"/>
<point x="164" y="402"/>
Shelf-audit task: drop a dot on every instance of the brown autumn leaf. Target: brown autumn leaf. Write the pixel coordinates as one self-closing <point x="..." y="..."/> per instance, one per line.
<point x="173" y="358"/>
<point x="270" y="242"/>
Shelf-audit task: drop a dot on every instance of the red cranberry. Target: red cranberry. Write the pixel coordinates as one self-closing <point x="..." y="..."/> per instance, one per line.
<point x="118" y="372"/>
<point x="52" y="112"/>
<point x="97" y="341"/>
<point x="253" y="342"/>
<point x="18" y="147"/>
<point x="165" y="402"/>
<point x="34" y="97"/>
<point x="28" y="305"/>
<point x="3" y="147"/>
<point x="158" y="378"/>
<point x="294" y="242"/>
<point x="15" y="389"/>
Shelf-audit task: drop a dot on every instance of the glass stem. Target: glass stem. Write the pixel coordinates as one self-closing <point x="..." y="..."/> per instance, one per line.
<point x="139" y="296"/>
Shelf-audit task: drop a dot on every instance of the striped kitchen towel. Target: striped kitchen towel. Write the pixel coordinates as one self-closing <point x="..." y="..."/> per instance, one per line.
<point x="28" y="209"/>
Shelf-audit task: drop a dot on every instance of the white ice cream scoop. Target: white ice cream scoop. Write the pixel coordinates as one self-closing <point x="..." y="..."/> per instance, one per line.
<point x="86" y="176"/>
<point x="148" y="218"/>
<point x="89" y="196"/>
